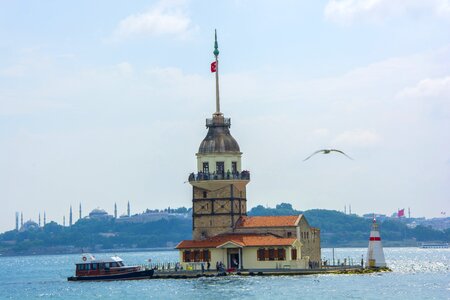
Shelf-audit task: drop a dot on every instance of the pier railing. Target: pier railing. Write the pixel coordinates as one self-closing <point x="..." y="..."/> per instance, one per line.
<point x="244" y="175"/>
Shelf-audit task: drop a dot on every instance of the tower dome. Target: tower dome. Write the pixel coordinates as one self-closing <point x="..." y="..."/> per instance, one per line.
<point x="218" y="139"/>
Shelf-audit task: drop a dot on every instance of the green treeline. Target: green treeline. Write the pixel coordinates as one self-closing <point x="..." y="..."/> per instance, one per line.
<point x="89" y="234"/>
<point x="337" y="229"/>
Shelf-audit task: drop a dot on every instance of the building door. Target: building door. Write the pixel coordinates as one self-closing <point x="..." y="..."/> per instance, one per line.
<point x="233" y="258"/>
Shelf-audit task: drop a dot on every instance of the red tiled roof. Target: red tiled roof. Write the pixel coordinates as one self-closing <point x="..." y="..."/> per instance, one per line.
<point x="268" y="221"/>
<point x="244" y="240"/>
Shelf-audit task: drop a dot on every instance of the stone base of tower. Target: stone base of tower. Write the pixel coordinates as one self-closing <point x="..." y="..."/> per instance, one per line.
<point x="217" y="205"/>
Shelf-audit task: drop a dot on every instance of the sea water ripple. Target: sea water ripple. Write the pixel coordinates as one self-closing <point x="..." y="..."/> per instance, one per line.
<point x="417" y="274"/>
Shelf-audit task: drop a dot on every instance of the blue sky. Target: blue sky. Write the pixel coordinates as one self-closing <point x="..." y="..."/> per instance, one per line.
<point x="105" y="102"/>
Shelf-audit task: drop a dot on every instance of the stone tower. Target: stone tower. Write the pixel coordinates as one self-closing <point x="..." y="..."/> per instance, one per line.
<point x="219" y="186"/>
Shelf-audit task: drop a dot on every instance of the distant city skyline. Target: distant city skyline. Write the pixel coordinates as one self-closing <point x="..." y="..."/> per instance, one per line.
<point x="127" y="213"/>
<point x="106" y="103"/>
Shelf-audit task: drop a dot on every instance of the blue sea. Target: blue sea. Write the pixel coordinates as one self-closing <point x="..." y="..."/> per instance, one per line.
<point x="417" y="274"/>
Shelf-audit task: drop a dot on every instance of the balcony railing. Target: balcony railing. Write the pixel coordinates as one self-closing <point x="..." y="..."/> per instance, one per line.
<point x="218" y="122"/>
<point x="244" y="175"/>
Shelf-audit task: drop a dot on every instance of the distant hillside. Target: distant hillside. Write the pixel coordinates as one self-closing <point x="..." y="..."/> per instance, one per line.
<point x="92" y="234"/>
<point x="337" y="230"/>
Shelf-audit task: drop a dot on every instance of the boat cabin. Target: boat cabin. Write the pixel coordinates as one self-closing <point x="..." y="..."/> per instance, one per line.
<point x="90" y="266"/>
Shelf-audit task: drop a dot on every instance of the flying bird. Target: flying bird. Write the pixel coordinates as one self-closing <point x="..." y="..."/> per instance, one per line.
<point x="327" y="151"/>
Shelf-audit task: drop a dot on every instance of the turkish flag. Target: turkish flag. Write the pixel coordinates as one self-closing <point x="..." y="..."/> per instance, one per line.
<point x="401" y="213"/>
<point x="214" y="67"/>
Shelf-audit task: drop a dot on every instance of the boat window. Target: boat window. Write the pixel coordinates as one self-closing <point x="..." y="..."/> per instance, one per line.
<point x="94" y="266"/>
<point x="113" y="265"/>
<point x="121" y="264"/>
<point x="107" y="265"/>
<point x="87" y="267"/>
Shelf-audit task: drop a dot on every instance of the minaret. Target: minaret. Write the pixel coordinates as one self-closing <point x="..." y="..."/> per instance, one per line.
<point x="375" y="254"/>
<point x="64" y="221"/>
<point x="70" y="216"/>
<point x="39" y="220"/>
<point x="45" y="219"/>
<point x="21" y="219"/>
<point x="349" y="209"/>
<point x="128" y="209"/>
<point x="219" y="186"/>
<point x="115" y="210"/>
<point x="79" y="216"/>
<point x="17" y="221"/>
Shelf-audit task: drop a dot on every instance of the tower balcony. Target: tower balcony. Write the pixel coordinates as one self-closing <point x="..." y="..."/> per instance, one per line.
<point x="218" y="121"/>
<point x="202" y="176"/>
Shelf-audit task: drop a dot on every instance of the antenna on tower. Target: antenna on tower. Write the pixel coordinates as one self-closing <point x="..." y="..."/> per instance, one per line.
<point x="215" y="68"/>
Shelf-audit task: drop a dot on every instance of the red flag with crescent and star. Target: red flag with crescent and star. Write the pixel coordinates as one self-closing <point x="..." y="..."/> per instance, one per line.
<point x="214" y="67"/>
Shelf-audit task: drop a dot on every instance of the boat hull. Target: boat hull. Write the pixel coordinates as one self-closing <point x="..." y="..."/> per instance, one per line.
<point x="146" y="274"/>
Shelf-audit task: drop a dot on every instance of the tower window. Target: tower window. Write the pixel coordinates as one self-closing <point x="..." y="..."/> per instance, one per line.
<point x="205" y="194"/>
<point x="234" y="167"/>
<point x="206" y="167"/>
<point x="220" y="168"/>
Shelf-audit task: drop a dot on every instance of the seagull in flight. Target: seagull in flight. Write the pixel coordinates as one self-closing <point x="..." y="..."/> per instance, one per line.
<point x="327" y="151"/>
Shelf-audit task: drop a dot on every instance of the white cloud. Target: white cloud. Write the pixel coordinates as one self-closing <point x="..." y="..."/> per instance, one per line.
<point x="347" y="11"/>
<point x="321" y="132"/>
<point x="13" y="71"/>
<point x="125" y="68"/>
<point x="358" y="138"/>
<point x="437" y="87"/>
<point x="165" y="18"/>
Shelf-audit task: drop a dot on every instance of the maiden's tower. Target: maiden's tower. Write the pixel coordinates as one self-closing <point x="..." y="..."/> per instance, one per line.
<point x="221" y="230"/>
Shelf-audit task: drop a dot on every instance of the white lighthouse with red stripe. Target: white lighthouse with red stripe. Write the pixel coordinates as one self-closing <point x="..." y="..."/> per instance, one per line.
<point x="375" y="254"/>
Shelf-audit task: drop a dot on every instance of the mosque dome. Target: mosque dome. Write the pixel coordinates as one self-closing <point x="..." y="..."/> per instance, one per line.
<point x="98" y="213"/>
<point x="218" y="139"/>
<point x="29" y="225"/>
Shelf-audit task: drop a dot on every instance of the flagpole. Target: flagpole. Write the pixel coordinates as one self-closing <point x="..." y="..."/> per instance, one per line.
<point x="216" y="54"/>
